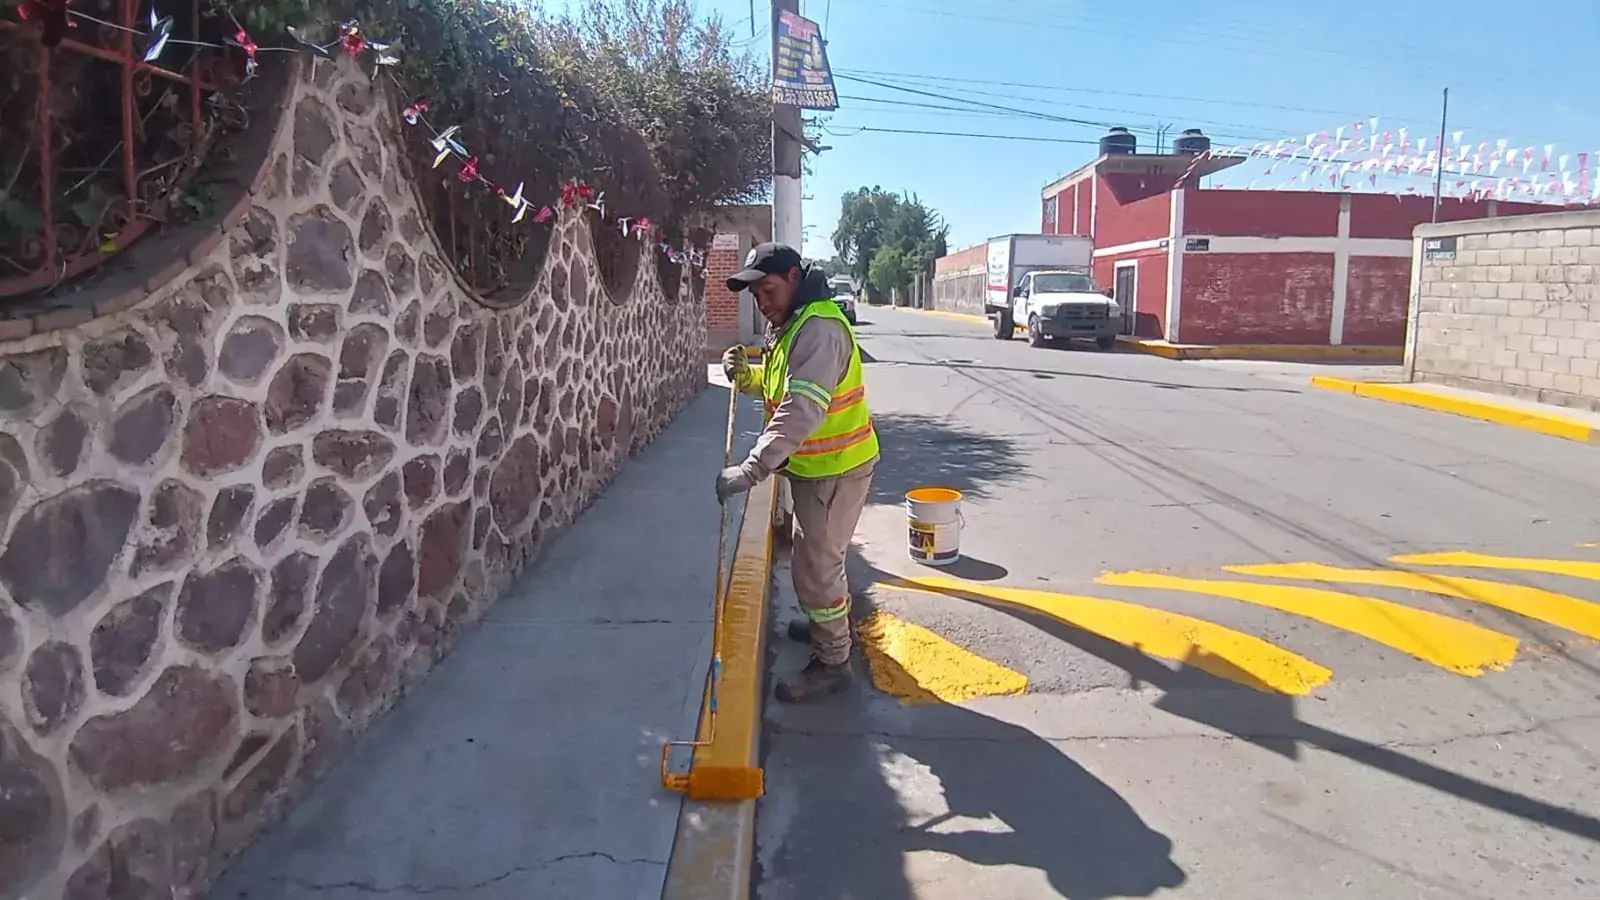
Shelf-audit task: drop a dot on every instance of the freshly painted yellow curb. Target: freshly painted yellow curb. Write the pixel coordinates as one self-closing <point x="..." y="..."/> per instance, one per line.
<point x="733" y="749"/>
<point x="1264" y="352"/>
<point x="1488" y="411"/>
<point x="713" y="853"/>
<point x="955" y="316"/>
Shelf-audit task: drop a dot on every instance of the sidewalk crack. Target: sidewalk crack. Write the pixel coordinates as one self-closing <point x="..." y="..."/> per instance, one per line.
<point x="367" y="887"/>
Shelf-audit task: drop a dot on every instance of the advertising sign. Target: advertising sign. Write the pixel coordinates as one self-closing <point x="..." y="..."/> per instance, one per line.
<point x="800" y="73"/>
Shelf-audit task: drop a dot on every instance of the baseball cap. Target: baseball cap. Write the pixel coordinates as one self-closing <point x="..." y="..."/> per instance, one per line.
<point x="764" y="259"/>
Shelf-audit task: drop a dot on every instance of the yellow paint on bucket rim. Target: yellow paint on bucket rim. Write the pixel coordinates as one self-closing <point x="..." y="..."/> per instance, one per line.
<point x="934" y="495"/>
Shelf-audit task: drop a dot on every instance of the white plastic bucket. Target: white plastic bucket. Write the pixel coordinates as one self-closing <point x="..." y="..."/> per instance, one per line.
<point x="933" y="520"/>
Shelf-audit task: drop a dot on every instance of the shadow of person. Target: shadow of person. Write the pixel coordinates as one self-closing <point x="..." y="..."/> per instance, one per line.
<point x="884" y="797"/>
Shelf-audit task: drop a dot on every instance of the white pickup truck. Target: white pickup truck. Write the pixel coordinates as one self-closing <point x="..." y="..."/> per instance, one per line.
<point x="1042" y="281"/>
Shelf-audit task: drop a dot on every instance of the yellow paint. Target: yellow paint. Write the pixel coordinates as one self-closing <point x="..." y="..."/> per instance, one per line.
<point x="1570" y="567"/>
<point x="1488" y="411"/>
<point x="955" y="316"/>
<point x="934" y="495"/>
<point x="1222" y="652"/>
<point x="917" y="666"/>
<point x="1342" y="352"/>
<point x="730" y="761"/>
<point x="1451" y="644"/>
<point x="1566" y="612"/>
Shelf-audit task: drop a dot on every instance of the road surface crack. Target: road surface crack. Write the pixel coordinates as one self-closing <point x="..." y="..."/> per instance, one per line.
<point x="367" y="887"/>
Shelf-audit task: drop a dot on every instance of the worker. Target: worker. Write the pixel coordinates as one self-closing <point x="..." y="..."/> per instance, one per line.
<point x="819" y="435"/>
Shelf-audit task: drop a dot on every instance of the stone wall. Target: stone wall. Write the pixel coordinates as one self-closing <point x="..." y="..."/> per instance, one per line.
<point x="241" y="515"/>
<point x="1515" y="311"/>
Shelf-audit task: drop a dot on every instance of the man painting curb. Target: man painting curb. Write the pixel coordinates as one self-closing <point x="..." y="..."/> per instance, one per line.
<point x="819" y="435"/>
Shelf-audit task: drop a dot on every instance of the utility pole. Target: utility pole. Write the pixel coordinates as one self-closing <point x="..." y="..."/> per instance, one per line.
<point x="1438" y="172"/>
<point x="786" y="149"/>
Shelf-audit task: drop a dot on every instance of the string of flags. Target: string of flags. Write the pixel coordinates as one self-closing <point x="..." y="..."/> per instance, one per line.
<point x="1348" y="155"/>
<point x="56" y="18"/>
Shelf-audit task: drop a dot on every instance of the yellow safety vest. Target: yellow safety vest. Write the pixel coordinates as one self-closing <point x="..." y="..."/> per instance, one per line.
<point x="845" y="439"/>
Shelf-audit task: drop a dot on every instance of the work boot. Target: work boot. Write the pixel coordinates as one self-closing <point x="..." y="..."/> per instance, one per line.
<point x="816" y="680"/>
<point x="799" y="630"/>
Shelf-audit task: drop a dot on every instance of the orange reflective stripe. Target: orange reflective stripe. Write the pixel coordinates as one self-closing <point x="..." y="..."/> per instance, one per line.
<point x="848" y="399"/>
<point x="836" y="443"/>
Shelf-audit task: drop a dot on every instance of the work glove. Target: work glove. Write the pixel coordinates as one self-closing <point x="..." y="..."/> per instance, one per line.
<point x="736" y="364"/>
<point x="732" y="481"/>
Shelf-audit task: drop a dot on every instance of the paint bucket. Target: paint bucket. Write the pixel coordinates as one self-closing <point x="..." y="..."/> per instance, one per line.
<point x="933" y="520"/>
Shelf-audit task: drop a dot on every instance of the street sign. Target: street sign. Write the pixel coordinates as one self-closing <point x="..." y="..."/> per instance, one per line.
<point x="1196" y="245"/>
<point x="1443" y="248"/>
<point x="800" y="73"/>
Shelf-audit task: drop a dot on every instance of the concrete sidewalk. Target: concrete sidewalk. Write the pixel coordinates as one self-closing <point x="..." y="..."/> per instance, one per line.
<point x="526" y="765"/>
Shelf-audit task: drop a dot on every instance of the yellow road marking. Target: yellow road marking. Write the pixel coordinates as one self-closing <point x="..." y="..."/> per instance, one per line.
<point x="1451" y="644"/>
<point x="1570" y="613"/>
<point x="1572" y="567"/>
<point x="1211" y="648"/>
<point x="917" y="666"/>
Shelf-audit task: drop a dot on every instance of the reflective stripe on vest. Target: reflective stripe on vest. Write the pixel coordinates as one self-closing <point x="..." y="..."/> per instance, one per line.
<point x="845" y="439"/>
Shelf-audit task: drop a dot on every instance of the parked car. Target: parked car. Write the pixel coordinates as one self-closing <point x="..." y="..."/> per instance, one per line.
<point x="844" y="294"/>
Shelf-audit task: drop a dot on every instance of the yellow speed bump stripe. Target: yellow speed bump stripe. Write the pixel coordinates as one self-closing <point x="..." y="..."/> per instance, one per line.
<point x="917" y="666"/>
<point x="1574" y="568"/>
<point x="1211" y="648"/>
<point x="1566" y="612"/>
<point x="1451" y="644"/>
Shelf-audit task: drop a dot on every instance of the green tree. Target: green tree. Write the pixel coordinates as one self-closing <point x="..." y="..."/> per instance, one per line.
<point x="702" y="105"/>
<point x="889" y="271"/>
<point x="872" y="219"/>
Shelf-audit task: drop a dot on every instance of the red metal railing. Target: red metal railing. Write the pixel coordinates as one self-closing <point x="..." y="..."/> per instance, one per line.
<point x="89" y="180"/>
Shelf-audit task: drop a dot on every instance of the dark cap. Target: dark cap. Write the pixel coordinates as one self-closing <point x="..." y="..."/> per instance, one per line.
<point x="765" y="259"/>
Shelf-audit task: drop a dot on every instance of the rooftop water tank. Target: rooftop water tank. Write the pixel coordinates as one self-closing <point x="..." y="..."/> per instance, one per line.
<point x="1192" y="142"/>
<point x="1118" y="142"/>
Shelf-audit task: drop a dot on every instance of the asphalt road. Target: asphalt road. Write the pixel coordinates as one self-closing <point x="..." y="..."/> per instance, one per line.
<point x="1427" y="728"/>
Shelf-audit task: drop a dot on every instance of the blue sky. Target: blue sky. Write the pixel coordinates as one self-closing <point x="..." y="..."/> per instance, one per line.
<point x="1266" y="69"/>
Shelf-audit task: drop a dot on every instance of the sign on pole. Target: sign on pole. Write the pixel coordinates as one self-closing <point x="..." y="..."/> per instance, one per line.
<point x="800" y="73"/>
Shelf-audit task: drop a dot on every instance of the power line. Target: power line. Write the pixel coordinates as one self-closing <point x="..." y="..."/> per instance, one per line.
<point x="1276" y="132"/>
<point x="965" y="134"/>
<point x="1145" y="96"/>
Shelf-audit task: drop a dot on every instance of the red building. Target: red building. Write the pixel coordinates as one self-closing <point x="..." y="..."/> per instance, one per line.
<point x="1213" y="266"/>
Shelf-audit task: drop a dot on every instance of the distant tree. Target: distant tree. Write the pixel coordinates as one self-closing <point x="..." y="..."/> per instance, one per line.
<point x="872" y="220"/>
<point x="889" y="270"/>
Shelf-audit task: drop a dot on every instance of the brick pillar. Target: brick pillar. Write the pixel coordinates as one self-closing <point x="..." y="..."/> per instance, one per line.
<point x="722" y="306"/>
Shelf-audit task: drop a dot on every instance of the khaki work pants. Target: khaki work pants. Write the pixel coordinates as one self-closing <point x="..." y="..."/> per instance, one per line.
<point x="826" y="511"/>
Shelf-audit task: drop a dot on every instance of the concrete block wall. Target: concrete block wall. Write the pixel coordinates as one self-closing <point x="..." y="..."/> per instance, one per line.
<point x="1516" y="311"/>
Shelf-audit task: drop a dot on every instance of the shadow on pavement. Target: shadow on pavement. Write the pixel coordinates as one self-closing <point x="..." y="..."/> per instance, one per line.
<point x="880" y="792"/>
<point x="923" y="451"/>
<point x="1091" y="376"/>
<point x="1270" y="720"/>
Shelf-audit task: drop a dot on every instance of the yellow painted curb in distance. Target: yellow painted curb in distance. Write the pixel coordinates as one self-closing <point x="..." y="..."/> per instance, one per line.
<point x="1501" y="414"/>
<point x="1264" y="352"/>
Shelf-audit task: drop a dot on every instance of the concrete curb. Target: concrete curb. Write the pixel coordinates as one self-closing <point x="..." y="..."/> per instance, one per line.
<point x="1264" y="352"/>
<point x="714" y="851"/>
<point x="958" y="317"/>
<point x="1487" y="411"/>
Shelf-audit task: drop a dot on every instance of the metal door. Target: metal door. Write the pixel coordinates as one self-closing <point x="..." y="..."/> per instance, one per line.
<point x="1124" y="284"/>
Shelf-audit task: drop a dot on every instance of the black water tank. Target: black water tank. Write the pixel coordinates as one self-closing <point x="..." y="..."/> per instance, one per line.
<point x="1192" y="142"/>
<point x="1118" y="142"/>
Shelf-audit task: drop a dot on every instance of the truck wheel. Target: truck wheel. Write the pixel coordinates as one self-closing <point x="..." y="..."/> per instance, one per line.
<point x="1036" y="336"/>
<point x="1004" y="327"/>
<point x="1106" y="342"/>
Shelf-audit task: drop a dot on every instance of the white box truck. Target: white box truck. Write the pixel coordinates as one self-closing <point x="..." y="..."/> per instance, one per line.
<point x="1044" y="283"/>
